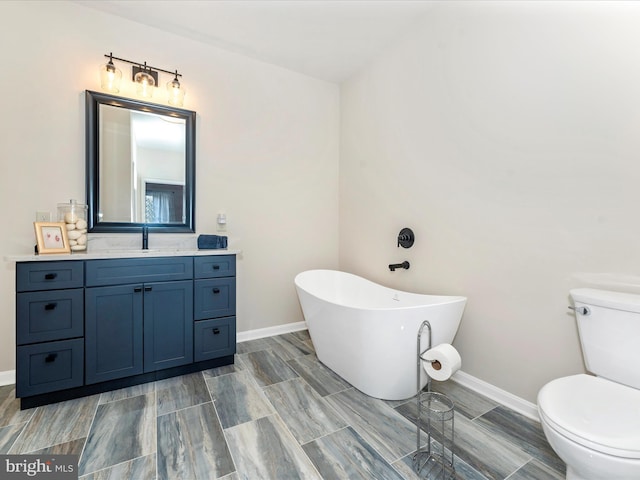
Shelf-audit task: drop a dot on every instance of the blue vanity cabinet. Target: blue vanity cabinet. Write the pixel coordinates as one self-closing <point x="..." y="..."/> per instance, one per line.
<point x="93" y="325"/>
<point x="214" y="307"/>
<point x="135" y="328"/>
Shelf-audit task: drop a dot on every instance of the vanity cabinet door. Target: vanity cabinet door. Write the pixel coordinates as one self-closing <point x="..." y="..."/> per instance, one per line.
<point x="113" y="332"/>
<point x="168" y="324"/>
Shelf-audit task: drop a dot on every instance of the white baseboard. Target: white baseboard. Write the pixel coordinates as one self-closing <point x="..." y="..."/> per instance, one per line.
<point x="270" y="331"/>
<point x="520" y="405"/>
<point x="7" y="378"/>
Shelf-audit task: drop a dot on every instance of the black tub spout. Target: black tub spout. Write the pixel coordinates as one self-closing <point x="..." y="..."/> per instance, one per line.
<point x="404" y="265"/>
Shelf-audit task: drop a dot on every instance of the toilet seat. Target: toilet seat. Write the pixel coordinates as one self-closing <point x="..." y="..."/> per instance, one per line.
<point x="594" y="412"/>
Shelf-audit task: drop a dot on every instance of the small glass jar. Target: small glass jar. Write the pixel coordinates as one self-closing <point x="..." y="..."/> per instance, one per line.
<point x="74" y="215"/>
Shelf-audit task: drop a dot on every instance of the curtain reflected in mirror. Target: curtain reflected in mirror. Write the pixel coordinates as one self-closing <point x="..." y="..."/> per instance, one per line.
<point x="163" y="203"/>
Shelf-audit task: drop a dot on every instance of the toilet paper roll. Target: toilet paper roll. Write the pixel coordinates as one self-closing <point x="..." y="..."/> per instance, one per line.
<point x="441" y="361"/>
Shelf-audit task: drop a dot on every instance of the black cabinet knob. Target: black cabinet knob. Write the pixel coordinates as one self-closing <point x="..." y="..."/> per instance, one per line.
<point x="216" y="290"/>
<point x="216" y="267"/>
<point x="50" y="306"/>
<point x="137" y="289"/>
<point x="216" y="331"/>
<point x="50" y="276"/>
<point x="51" y="357"/>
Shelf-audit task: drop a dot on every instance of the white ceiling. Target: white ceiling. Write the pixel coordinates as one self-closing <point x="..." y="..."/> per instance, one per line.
<point x="326" y="39"/>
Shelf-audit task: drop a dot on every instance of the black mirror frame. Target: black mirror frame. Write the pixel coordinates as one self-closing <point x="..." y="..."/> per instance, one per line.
<point x="93" y="101"/>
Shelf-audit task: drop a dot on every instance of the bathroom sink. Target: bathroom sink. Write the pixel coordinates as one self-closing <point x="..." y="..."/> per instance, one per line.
<point x="137" y="251"/>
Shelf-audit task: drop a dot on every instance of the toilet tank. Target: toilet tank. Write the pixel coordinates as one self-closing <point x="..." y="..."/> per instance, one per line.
<point x="609" y="333"/>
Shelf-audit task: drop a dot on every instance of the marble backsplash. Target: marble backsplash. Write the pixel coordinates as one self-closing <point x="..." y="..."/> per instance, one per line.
<point x="99" y="242"/>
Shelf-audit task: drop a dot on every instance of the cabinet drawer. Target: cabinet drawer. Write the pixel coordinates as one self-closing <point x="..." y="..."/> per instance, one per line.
<point x="215" y="266"/>
<point x="138" y="270"/>
<point x="215" y="297"/>
<point x="49" y="315"/>
<point x="31" y="276"/>
<point x="46" y="367"/>
<point x="214" y="338"/>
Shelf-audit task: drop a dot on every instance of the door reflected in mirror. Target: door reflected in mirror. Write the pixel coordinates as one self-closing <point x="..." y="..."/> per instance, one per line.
<point x="140" y="165"/>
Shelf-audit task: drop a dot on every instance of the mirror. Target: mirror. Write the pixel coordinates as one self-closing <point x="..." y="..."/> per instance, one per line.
<point x="140" y="166"/>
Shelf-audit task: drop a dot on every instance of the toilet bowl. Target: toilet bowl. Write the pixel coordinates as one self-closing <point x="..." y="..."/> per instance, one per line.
<point x="593" y="425"/>
<point x="593" y="421"/>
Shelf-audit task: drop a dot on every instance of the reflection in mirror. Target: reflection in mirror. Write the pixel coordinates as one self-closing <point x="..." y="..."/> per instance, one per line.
<point x="143" y="166"/>
<point x="140" y="165"/>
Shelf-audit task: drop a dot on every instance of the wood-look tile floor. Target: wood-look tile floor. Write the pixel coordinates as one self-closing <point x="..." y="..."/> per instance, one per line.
<point x="277" y="413"/>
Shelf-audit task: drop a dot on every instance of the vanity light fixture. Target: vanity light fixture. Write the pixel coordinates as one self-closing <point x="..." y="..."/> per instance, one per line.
<point x="145" y="77"/>
<point x="176" y="92"/>
<point x="110" y="76"/>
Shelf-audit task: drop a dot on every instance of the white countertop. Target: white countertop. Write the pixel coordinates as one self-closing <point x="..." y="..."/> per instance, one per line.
<point x="121" y="253"/>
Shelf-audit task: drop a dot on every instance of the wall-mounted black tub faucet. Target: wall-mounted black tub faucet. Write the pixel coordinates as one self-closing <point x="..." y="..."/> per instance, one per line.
<point x="404" y="265"/>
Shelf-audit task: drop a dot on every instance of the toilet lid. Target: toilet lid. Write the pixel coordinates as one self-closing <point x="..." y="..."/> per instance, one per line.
<point x="596" y="413"/>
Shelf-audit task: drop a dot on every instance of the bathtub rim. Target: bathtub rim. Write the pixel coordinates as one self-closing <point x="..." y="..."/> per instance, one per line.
<point x="445" y="299"/>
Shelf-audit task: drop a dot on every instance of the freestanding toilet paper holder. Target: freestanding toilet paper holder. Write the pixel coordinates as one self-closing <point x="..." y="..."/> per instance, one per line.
<point x="435" y="459"/>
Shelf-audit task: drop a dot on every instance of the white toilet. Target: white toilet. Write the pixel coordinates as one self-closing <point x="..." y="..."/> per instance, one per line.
<point x="593" y="422"/>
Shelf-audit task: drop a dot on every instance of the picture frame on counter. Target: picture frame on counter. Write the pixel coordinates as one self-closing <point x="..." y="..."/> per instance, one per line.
<point x="51" y="237"/>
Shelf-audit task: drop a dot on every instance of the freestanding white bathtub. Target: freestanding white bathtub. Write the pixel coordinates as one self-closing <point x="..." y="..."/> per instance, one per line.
<point x="367" y="333"/>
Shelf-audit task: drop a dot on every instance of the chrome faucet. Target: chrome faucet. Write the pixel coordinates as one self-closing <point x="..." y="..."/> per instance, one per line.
<point x="145" y="237"/>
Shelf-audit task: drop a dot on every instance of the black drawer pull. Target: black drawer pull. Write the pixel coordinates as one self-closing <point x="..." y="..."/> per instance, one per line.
<point x="50" y="276"/>
<point x="216" y="331"/>
<point x="148" y="289"/>
<point x="137" y="289"/>
<point x="51" y="358"/>
<point x="50" y="306"/>
<point x="216" y="290"/>
<point x="216" y="267"/>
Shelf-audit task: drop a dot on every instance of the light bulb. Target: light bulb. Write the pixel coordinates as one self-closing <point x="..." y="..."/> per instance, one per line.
<point x="110" y="77"/>
<point x="146" y="83"/>
<point x="176" y="92"/>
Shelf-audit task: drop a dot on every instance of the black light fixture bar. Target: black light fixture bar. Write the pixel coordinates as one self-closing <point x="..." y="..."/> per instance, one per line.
<point x="143" y="65"/>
